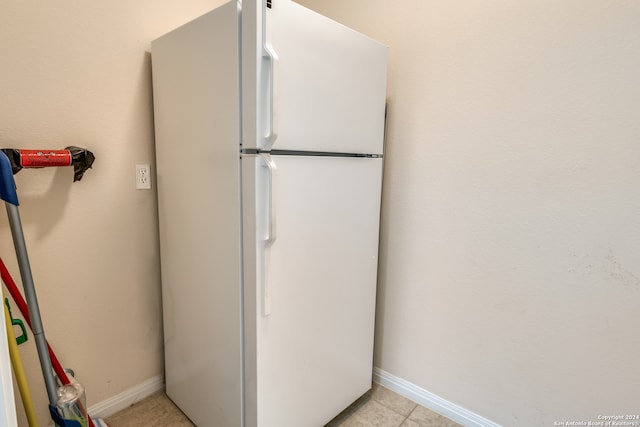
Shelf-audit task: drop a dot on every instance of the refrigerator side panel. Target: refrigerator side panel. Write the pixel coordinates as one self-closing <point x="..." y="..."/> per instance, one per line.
<point x="196" y="104"/>
<point x="329" y="83"/>
<point x="319" y="274"/>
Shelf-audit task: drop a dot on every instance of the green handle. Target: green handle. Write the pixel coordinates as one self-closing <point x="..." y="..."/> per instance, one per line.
<point x="22" y="338"/>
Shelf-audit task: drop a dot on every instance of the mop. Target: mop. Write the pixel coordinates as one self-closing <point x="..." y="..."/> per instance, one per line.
<point x="9" y="195"/>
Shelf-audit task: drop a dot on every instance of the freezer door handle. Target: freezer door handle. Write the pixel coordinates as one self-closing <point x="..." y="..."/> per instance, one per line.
<point x="270" y="56"/>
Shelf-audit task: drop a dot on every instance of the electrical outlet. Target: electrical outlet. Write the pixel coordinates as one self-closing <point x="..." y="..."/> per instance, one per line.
<point x="143" y="177"/>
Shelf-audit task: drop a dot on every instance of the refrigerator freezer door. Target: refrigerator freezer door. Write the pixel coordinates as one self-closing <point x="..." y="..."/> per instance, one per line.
<point x="329" y="83"/>
<point x="315" y="345"/>
<point x="196" y="79"/>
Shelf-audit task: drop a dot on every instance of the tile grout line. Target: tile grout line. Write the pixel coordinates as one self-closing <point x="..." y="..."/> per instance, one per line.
<point x="409" y="414"/>
<point x="406" y="417"/>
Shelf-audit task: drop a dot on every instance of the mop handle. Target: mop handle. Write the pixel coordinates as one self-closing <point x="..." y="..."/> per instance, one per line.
<point x="30" y="295"/>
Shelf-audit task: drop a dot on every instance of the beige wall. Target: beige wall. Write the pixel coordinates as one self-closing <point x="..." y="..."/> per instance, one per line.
<point x="77" y="72"/>
<point x="510" y="277"/>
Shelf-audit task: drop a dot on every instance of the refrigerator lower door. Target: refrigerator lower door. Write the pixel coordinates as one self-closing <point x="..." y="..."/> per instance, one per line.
<point x="317" y="242"/>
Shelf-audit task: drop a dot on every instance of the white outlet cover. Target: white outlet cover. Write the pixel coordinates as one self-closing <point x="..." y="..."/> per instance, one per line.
<point x="143" y="177"/>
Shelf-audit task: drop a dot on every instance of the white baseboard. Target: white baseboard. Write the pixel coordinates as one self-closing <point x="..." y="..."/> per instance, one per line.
<point x="127" y="398"/>
<point x="430" y="401"/>
<point x="398" y="385"/>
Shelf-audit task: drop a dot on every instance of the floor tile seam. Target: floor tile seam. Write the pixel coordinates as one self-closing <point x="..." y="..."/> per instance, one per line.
<point x="405" y="417"/>
<point x="411" y="413"/>
<point x="415" y="405"/>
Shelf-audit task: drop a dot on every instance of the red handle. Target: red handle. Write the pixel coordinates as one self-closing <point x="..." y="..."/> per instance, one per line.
<point x="44" y="158"/>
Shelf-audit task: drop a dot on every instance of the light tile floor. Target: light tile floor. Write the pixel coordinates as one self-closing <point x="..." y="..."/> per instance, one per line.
<point x="380" y="407"/>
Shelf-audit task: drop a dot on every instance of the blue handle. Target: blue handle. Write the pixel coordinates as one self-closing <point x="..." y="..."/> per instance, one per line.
<point x="61" y="422"/>
<point x="7" y="184"/>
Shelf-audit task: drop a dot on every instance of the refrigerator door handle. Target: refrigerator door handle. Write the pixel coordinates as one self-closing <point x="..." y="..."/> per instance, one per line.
<point x="271" y="58"/>
<point x="271" y="217"/>
<point x="270" y="236"/>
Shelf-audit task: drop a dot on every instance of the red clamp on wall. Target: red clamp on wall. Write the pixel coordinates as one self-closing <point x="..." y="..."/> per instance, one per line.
<point x="81" y="159"/>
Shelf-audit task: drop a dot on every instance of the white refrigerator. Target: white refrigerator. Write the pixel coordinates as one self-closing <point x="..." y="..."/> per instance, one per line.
<point x="269" y="124"/>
